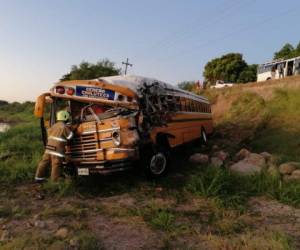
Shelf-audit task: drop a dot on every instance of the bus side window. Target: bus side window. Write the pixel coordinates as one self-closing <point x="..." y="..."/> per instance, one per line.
<point x="192" y="106"/>
<point x="182" y="104"/>
<point x="187" y="109"/>
<point x="178" y="103"/>
<point x="189" y="105"/>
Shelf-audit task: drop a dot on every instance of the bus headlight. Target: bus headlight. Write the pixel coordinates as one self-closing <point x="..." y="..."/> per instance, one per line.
<point x="116" y="138"/>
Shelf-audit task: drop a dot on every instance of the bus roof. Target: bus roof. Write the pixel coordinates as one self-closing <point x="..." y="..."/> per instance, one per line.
<point x="135" y="82"/>
<point x="279" y="61"/>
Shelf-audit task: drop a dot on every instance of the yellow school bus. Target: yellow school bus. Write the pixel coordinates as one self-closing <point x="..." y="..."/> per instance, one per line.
<point x="119" y="120"/>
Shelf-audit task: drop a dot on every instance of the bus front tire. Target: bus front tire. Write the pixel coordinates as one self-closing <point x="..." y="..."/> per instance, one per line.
<point x="157" y="163"/>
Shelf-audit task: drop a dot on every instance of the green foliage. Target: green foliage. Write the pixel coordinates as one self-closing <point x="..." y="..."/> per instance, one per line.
<point x="16" y="112"/>
<point x="231" y="68"/>
<point x="88" y="241"/>
<point x="287" y="51"/>
<point x="164" y="220"/>
<point x="3" y="103"/>
<point x="86" y="70"/>
<point x="248" y="74"/>
<point x="61" y="188"/>
<point x="21" y="145"/>
<point x="187" y="85"/>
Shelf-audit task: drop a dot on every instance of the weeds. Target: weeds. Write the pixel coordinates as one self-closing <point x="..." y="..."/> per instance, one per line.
<point x="232" y="191"/>
<point x="60" y="188"/>
<point x="263" y="240"/>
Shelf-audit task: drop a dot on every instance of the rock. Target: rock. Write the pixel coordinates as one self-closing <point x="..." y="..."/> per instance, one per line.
<point x="242" y="154"/>
<point x="256" y="159"/>
<point x="199" y="158"/>
<point x="222" y="155"/>
<point x="40" y="224"/>
<point x="245" y="168"/>
<point x="5" y="236"/>
<point x="74" y="243"/>
<point x="266" y="155"/>
<point x="216" y="162"/>
<point x="273" y="171"/>
<point x="296" y="173"/>
<point x="270" y="159"/>
<point x="288" y="167"/>
<point x="5" y="156"/>
<point x="159" y="189"/>
<point x="62" y="233"/>
<point x="291" y="178"/>
<point x="37" y="217"/>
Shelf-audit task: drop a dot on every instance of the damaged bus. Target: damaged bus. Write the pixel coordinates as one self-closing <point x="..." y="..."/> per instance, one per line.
<point x="119" y="120"/>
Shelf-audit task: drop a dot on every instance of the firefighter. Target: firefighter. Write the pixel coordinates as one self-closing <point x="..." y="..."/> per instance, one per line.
<point x="58" y="135"/>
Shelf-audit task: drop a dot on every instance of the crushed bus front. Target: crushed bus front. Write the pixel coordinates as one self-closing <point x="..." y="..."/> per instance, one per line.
<point x="104" y="146"/>
<point x="103" y="119"/>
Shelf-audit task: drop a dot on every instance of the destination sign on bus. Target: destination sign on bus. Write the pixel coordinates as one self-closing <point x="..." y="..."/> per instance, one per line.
<point x="93" y="92"/>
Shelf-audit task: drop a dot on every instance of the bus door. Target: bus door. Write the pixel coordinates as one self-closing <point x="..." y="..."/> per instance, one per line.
<point x="290" y="68"/>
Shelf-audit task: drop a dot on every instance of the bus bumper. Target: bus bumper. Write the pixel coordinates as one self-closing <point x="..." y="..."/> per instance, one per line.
<point x="104" y="168"/>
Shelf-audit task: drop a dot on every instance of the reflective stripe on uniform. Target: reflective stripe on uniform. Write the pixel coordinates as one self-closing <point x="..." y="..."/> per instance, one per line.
<point x="57" y="138"/>
<point x="70" y="135"/>
<point x="55" y="153"/>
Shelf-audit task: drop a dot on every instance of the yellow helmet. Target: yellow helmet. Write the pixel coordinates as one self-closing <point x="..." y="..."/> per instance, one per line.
<point x="62" y="115"/>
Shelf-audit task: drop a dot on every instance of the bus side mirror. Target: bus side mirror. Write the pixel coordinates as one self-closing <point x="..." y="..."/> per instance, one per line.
<point x="39" y="105"/>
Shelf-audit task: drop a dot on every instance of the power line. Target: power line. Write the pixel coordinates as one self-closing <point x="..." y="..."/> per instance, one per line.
<point x="241" y="30"/>
<point x="186" y="32"/>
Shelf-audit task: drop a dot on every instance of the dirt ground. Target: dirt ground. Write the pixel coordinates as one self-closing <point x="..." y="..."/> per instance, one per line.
<point x="147" y="217"/>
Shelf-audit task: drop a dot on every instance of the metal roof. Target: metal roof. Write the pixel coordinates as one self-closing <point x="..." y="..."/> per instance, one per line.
<point x="135" y="82"/>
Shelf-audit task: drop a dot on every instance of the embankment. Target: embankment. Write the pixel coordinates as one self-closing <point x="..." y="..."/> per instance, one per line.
<point x="262" y="116"/>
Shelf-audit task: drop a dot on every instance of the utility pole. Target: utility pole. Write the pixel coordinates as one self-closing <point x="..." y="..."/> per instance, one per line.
<point x="127" y="64"/>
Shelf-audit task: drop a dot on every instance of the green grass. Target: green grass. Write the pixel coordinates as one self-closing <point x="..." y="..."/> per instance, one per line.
<point x="37" y="240"/>
<point x="271" y="125"/>
<point x="281" y="136"/>
<point x="232" y="191"/>
<point x="263" y="240"/>
<point x="21" y="144"/>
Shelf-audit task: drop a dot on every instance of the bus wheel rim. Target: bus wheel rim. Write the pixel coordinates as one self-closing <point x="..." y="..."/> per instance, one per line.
<point x="158" y="163"/>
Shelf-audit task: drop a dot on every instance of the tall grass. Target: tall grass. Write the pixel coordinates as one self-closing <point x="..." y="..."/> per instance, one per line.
<point x="231" y="190"/>
<point x="22" y="149"/>
<point x="282" y="133"/>
<point x="20" y="146"/>
<point x="271" y="125"/>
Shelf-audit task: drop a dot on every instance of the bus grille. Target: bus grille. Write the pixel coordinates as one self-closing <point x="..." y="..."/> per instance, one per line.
<point x="84" y="147"/>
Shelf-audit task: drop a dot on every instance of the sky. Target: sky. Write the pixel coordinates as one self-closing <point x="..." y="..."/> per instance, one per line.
<point x="170" y="40"/>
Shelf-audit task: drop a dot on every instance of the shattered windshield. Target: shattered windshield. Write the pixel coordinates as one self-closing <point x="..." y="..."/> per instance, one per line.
<point x="84" y="112"/>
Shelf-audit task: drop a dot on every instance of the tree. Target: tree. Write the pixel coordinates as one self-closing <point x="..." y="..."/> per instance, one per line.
<point x="249" y="74"/>
<point x="286" y="52"/>
<point x="86" y="70"/>
<point x="227" y="68"/>
<point x="3" y="103"/>
<point x="187" y="85"/>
